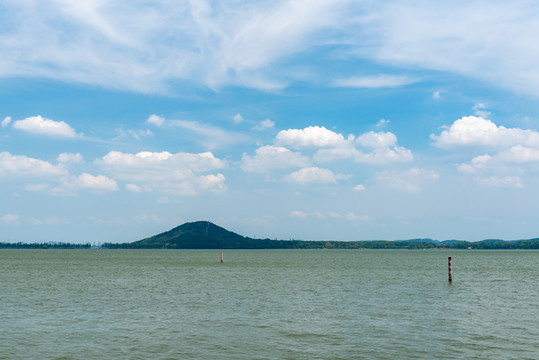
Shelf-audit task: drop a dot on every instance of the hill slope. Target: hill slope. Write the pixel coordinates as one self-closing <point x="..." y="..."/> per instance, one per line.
<point x="205" y="235"/>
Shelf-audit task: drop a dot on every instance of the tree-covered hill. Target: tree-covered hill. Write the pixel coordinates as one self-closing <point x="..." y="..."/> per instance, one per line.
<point x="206" y="235"/>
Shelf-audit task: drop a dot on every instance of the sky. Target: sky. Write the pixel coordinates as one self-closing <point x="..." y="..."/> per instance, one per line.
<point x="313" y="120"/>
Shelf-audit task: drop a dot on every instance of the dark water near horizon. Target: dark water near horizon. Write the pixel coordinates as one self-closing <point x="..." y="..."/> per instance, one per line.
<point x="266" y="304"/>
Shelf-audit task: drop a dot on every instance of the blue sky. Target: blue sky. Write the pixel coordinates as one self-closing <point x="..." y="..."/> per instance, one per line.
<point x="338" y="120"/>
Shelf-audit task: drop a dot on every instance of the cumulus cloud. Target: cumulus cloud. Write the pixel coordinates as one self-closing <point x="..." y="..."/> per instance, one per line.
<point x="55" y="179"/>
<point x="499" y="169"/>
<point x="238" y="118"/>
<point x="329" y="146"/>
<point x="515" y="155"/>
<point x="270" y="157"/>
<point x="477" y="131"/>
<point x="23" y="166"/>
<point x="377" y="140"/>
<point x="377" y="81"/>
<point x="163" y="171"/>
<point x="265" y="124"/>
<point x="382" y="148"/>
<point x="409" y="180"/>
<point x="43" y="126"/>
<point x="359" y="187"/>
<point x="65" y="158"/>
<point x="314" y="175"/>
<point x="155" y="120"/>
<point x="511" y="149"/>
<point x="159" y="164"/>
<point x="86" y="181"/>
<point x="312" y="136"/>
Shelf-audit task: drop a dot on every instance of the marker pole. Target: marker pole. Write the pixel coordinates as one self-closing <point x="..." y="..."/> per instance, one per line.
<point x="449" y="269"/>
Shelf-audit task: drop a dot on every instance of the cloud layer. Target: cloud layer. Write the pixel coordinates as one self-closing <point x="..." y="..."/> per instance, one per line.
<point x="225" y="43"/>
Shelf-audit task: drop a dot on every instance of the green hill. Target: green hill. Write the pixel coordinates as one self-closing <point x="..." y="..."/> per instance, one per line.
<point x="204" y="235"/>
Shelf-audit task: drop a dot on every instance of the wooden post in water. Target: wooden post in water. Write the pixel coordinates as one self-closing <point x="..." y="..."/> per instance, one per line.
<point x="221" y="257"/>
<point x="449" y="269"/>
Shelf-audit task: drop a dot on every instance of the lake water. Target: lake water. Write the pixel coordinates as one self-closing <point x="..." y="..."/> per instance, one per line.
<point x="262" y="304"/>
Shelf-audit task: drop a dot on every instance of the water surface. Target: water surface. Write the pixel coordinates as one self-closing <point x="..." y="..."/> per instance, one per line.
<point x="266" y="304"/>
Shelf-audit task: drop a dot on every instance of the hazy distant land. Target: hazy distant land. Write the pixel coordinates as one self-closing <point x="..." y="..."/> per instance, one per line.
<point x="206" y="235"/>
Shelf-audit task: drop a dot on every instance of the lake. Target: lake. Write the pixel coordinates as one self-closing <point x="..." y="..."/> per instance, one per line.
<point x="268" y="304"/>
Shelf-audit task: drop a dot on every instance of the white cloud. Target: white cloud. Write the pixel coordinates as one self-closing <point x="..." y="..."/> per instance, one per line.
<point x="142" y="48"/>
<point x="65" y="158"/>
<point x="351" y="216"/>
<point x="312" y="136"/>
<point x="10" y="219"/>
<point x="155" y="120"/>
<point x="269" y="158"/>
<point x="20" y="165"/>
<point x="314" y="175"/>
<point x="135" y="134"/>
<point x="265" y="124"/>
<point x="477" y="131"/>
<point x="507" y="181"/>
<point x="213" y="182"/>
<point x="332" y="146"/>
<point x="377" y="140"/>
<point x="409" y="180"/>
<point x="385" y="155"/>
<point x="382" y="123"/>
<point x="486" y="41"/>
<point x="383" y="145"/>
<point x="133" y="188"/>
<point x="208" y="135"/>
<point x="298" y="214"/>
<point x="6" y="121"/>
<point x="238" y="118"/>
<point x="359" y="187"/>
<point x="70" y="185"/>
<point x="377" y="81"/>
<point x="37" y="187"/>
<point x="513" y="149"/>
<point x="43" y="126"/>
<point x="159" y="165"/>
<point x="90" y="182"/>
<point x="145" y="48"/>
<point x="163" y="171"/>
<point x="354" y="217"/>
<point x="500" y="169"/>
<point x="480" y="110"/>
<point x="515" y="155"/>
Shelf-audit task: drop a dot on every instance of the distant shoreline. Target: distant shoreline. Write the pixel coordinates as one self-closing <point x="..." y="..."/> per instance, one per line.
<point x="266" y="244"/>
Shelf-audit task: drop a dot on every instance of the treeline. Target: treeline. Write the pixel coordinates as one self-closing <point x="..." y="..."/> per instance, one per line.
<point x="248" y="243"/>
<point x="61" y="245"/>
